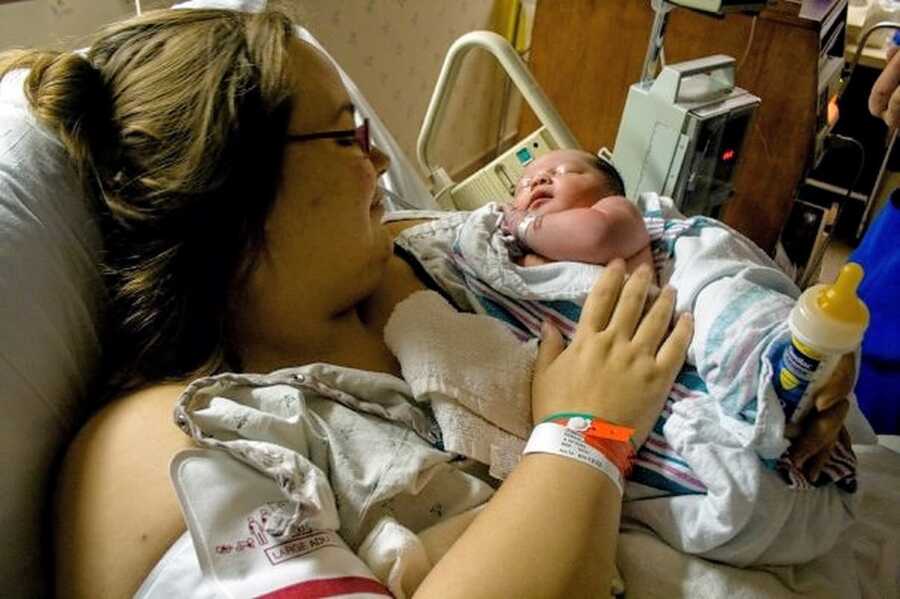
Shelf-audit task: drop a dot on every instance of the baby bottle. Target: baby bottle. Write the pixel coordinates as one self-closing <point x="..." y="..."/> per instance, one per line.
<point x="827" y="322"/>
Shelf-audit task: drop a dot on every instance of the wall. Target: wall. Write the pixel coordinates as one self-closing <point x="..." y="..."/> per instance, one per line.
<point x="62" y="24"/>
<point x="393" y="49"/>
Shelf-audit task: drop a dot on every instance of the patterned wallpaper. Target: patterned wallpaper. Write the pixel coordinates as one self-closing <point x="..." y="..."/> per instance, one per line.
<point x="394" y="49"/>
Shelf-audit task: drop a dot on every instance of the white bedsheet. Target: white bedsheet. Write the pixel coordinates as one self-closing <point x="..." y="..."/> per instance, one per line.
<point x="653" y="569"/>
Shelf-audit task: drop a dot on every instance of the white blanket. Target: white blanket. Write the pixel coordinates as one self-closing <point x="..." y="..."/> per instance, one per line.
<point x="864" y="564"/>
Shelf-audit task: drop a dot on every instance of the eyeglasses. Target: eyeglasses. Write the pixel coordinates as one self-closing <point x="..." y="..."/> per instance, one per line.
<point x="358" y="134"/>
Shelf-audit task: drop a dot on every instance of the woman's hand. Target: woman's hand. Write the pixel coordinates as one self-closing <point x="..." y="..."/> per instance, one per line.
<point x="815" y="437"/>
<point x="621" y="362"/>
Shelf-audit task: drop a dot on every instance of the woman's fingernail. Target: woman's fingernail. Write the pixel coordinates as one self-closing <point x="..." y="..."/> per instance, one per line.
<point x="545" y="329"/>
<point x="814" y="476"/>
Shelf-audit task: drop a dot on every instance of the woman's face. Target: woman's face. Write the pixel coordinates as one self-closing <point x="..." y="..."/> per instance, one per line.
<point x="326" y="248"/>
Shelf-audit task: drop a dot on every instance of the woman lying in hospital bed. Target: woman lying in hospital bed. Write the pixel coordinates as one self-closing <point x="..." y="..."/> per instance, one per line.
<point x="242" y="234"/>
<point x="309" y="430"/>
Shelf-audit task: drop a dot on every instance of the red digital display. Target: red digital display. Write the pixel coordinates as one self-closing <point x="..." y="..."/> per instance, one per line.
<point x="728" y="155"/>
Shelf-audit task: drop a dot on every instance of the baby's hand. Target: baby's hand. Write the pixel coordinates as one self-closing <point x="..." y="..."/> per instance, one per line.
<point x="813" y="439"/>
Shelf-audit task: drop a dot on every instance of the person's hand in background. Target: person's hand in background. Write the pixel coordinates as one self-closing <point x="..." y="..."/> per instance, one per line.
<point x="884" y="100"/>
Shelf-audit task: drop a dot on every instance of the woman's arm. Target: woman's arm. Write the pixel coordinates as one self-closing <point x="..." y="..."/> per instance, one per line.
<point x="551" y="529"/>
<point x="116" y="512"/>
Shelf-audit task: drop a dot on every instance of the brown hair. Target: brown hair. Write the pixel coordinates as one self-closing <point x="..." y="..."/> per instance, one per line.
<point x="175" y="121"/>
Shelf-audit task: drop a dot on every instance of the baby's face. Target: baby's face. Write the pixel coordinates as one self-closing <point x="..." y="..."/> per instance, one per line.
<point x="560" y="180"/>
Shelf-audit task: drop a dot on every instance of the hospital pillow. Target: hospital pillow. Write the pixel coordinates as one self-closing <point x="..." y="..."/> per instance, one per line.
<point x="49" y="297"/>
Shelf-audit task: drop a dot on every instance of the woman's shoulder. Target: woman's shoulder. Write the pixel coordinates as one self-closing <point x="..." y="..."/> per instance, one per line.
<point x="114" y="495"/>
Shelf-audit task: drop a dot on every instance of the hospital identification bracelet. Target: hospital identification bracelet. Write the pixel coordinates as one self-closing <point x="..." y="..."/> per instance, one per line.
<point x="522" y="230"/>
<point x="550" y="437"/>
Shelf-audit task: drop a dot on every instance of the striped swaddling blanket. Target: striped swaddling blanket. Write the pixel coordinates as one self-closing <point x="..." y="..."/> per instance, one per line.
<point x="658" y="465"/>
<point x="711" y="478"/>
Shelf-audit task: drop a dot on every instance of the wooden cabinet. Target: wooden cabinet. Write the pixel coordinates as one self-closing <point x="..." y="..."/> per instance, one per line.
<point x="586" y="53"/>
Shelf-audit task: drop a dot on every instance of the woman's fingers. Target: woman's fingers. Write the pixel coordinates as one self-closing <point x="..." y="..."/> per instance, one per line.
<point x="551" y="346"/>
<point x="656" y="322"/>
<point x="839" y="384"/>
<point x="627" y="314"/>
<point x="817" y="462"/>
<point x="674" y="349"/>
<point x="602" y="299"/>
<point x="822" y="430"/>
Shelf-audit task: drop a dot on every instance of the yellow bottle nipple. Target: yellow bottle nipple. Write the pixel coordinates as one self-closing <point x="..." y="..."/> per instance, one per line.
<point x="839" y="301"/>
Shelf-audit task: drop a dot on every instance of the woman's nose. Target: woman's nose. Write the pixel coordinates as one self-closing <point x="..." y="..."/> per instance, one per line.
<point x="380" y="160"/>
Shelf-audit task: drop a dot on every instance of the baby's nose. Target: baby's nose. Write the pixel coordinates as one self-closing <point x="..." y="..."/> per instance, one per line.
<point x="541" y="178"/>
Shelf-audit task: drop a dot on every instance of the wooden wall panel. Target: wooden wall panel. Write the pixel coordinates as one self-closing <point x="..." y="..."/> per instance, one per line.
<point x="586" y="53"/>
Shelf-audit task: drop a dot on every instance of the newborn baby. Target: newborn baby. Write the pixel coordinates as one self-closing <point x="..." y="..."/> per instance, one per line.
<point x="569" y="206"/>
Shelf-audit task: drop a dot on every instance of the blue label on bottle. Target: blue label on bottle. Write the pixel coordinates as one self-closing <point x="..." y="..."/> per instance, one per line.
<point x="796" y="368"/>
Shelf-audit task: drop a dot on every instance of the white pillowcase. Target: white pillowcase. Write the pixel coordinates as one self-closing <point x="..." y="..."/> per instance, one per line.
<point x="49" y="296"/>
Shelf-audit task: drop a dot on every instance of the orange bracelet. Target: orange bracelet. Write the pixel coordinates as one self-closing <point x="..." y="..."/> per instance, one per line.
<point x="619" y="453"/>
<point x="612" y="440"/>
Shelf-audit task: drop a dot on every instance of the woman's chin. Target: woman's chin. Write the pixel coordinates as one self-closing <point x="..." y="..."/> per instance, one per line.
<point x="382" y="246"/>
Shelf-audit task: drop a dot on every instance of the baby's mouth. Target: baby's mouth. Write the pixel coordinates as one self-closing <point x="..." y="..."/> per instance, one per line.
<point x="537" y="198"/>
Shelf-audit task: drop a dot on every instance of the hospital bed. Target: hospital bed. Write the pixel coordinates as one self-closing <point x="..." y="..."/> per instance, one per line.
<point x="50" y="308"/>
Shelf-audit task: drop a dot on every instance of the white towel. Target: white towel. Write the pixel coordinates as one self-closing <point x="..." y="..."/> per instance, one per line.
<point x="396" y="556"/>
<point x="485" y="411"/>
<point x="401" y="558"/>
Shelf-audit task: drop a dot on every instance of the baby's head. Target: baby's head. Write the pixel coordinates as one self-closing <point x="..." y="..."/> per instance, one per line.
<point x="564" y="179"/>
